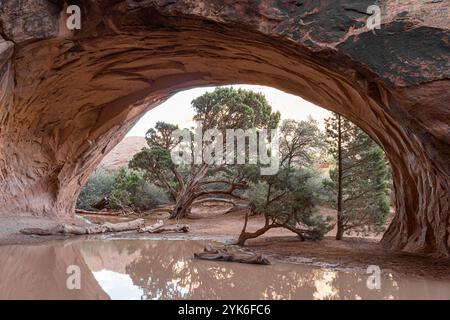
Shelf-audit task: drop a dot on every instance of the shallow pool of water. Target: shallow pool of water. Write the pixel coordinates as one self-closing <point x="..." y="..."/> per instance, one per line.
<point x="165" y="269"/>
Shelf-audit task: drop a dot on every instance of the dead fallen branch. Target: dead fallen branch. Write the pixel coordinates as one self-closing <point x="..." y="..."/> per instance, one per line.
<point x="71" y="229"/>
<point x="105" y="213"/>
<point x="152" y="227"/>
<point x="174" y="229"/>
<point x="159" y="227"/>
<point x="224" y="254"/>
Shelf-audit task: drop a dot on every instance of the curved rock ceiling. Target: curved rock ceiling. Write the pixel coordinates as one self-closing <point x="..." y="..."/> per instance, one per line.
<point x="67" y="97"/>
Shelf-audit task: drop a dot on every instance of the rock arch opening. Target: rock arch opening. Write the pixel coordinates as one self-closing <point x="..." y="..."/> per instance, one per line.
<point x="69" y="97"/>
<point x="313" y="156"/>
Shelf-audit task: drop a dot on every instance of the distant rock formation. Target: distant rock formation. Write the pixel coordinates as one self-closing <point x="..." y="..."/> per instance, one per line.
<point x="121" y="154"/>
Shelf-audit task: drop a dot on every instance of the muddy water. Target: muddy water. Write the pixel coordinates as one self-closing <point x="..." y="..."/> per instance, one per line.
<point x="165" y="269"/>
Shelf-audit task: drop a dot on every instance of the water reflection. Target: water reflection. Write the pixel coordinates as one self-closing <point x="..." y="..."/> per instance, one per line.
<point x="40" y="272"/>
<point x="165" y="269"/>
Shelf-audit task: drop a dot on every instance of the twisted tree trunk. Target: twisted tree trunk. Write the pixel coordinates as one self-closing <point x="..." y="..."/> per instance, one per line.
<point x="340" y="215"/>
<point x="244" y="236"/>
<point x="187" y="194"/>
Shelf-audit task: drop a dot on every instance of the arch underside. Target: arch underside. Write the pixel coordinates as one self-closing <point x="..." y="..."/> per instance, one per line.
<point x="67" y="100"/>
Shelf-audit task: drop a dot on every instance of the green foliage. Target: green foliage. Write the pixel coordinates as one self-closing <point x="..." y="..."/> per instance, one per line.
<point x="155" y="164"/>
<point x="224" y="108"/>
<point x="161" y="136"/>
<point x="287" y="198"/>
<point x="131" y="192"/>
<point x="227" y="107"/>
<point x="365" y="177"/>
<point x="315" y="183"/>
<point x="152" y="162"/>
<point x="301" y="143"/>
<point x="99" y="185"/>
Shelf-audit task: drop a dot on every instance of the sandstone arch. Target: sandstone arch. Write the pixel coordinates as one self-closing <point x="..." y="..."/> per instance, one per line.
<point x="67" y="97"/>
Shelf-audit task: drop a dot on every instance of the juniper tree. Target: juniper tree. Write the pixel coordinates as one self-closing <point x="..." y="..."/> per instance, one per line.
<point x="359" y="179"/>
<point x="222" y="109"/>
<point x="286" y="199"/>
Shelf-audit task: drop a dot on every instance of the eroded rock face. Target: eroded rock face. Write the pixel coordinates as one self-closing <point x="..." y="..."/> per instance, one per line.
<point x="67" y="97"/>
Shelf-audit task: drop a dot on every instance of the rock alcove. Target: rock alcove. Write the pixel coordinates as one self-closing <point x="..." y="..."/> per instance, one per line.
<point x="67" y="97"/>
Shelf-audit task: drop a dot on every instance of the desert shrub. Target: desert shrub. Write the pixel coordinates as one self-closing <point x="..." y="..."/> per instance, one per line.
<point x="131" y="192"/>
<point x="99" y="185"/>
<point x="315" y="183"/>
<point x="286" y="200"/>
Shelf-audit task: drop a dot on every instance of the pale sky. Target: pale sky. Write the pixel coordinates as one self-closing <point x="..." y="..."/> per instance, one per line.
<point x="178" y="110"/>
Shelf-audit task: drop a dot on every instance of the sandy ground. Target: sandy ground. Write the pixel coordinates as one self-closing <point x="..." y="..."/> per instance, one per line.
<point x="350" y="253"/>
<point x="211" y="221"/>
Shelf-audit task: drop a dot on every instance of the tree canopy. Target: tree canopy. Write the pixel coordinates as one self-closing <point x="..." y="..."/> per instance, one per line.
<point x="359" y="179"/>
<point x="222" y="109"/>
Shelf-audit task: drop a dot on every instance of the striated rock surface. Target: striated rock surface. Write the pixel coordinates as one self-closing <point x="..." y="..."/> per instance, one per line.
<point x="68" y="97"/>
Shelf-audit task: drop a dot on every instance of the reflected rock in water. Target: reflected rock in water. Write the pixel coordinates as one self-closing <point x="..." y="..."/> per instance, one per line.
<point x="166" y="269"/>
<point x="41" y="272"/>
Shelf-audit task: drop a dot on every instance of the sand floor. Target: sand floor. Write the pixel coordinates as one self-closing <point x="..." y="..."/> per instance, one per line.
<point x="210" y="221"/>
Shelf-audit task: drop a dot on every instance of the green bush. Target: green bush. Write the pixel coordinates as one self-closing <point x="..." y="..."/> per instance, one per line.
<point x="98" y="186"/>
<point x="126" y="191"/>
<point x="289" y="198"/>
<point x="315" y="184"/>
<point x="131" y="192"/>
